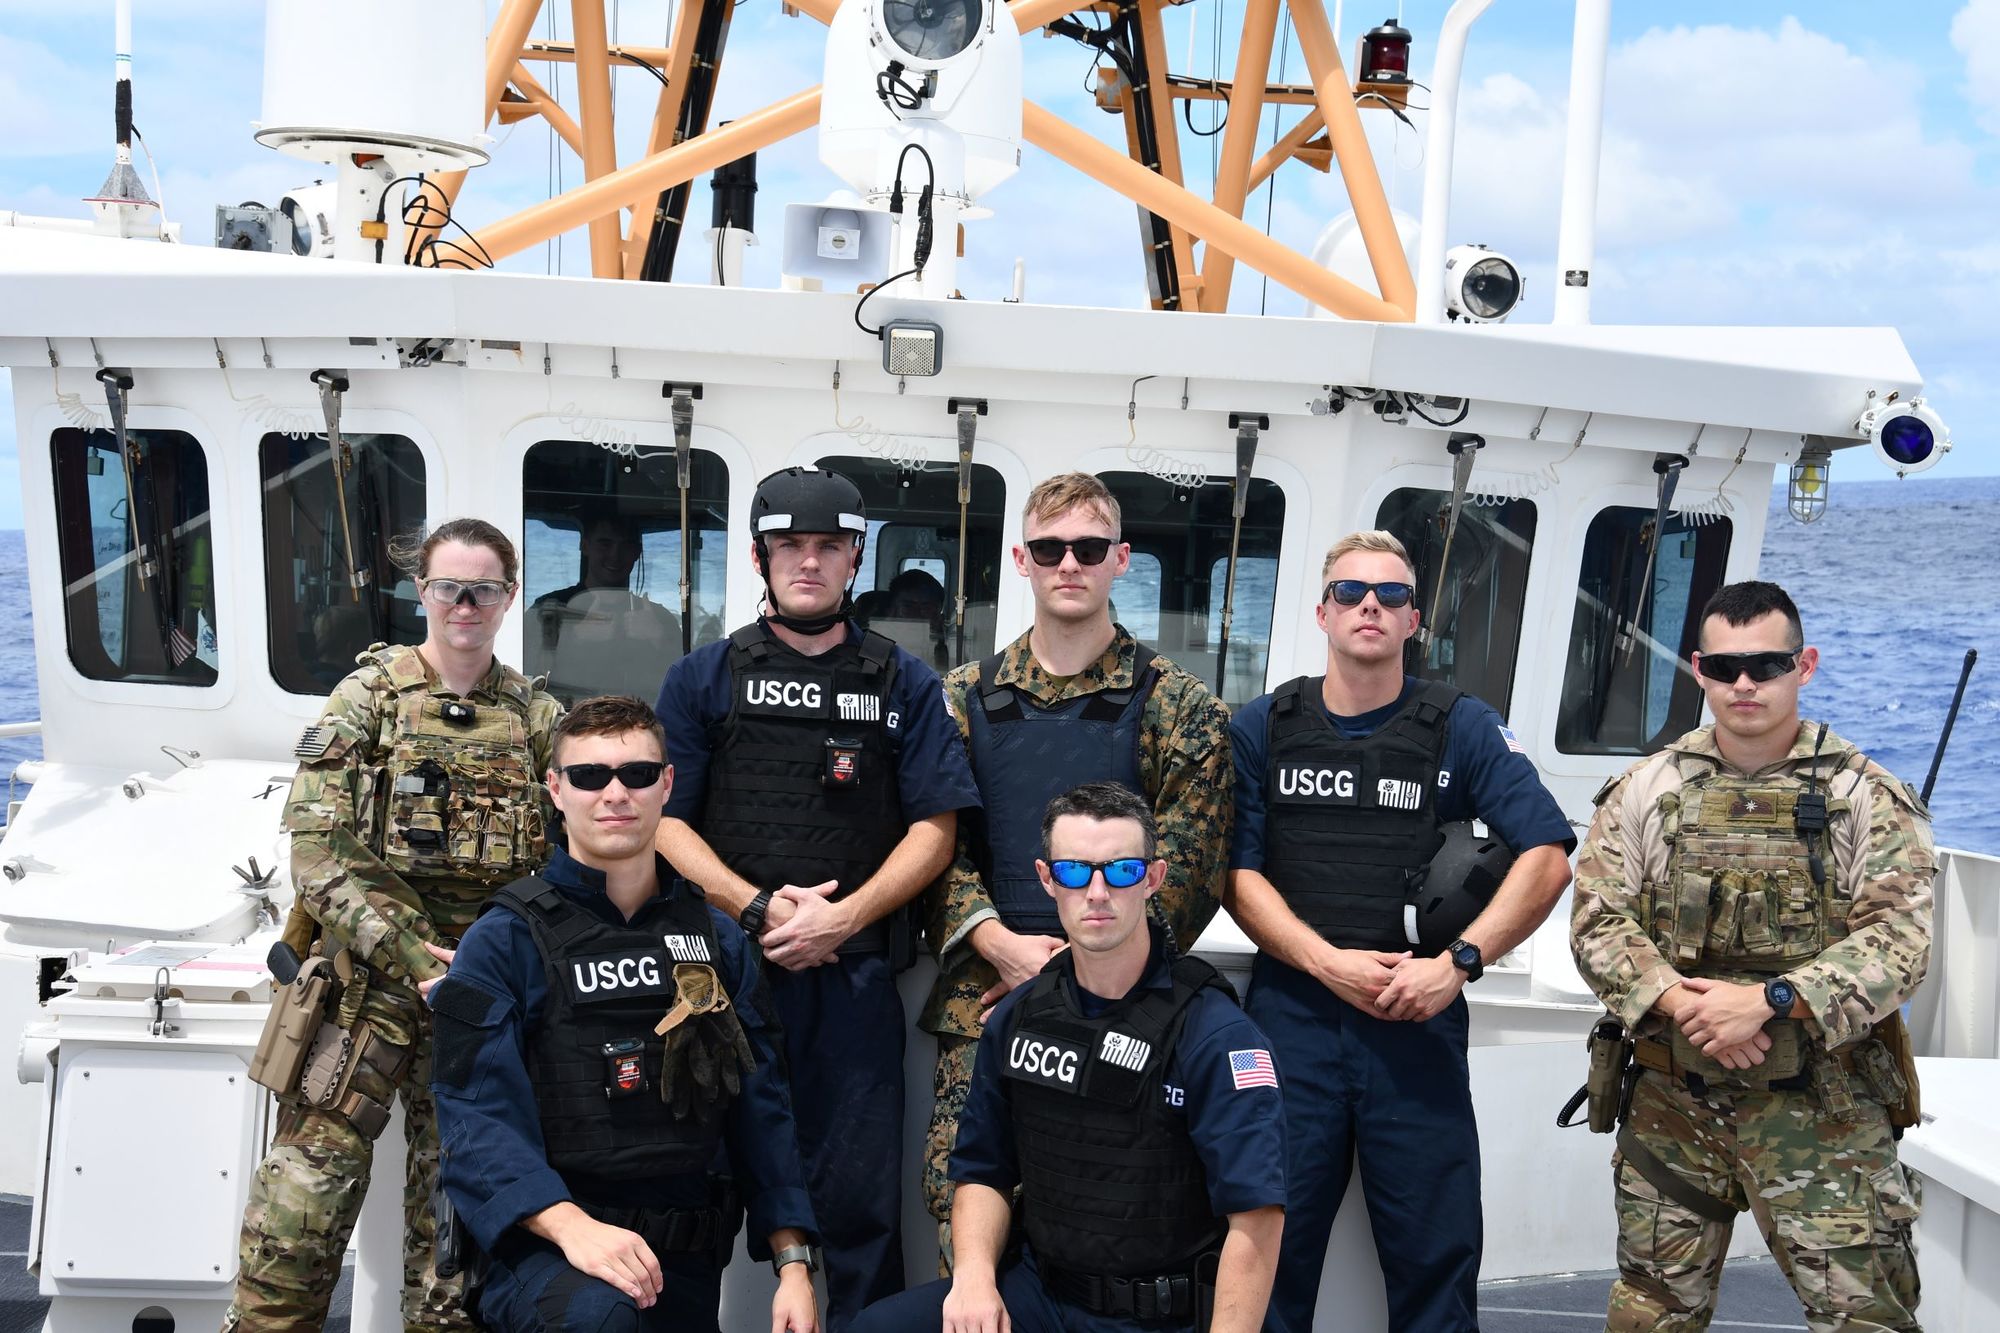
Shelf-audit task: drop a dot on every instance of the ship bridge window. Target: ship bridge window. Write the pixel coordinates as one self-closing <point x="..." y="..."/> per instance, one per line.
<point x="1472" y="635"/>
<point x="1171" y="596"/>
<point x="138" y="563"/>
<point x="1627" y="688"/>
<point x="330" y="588"/>
<point x="601" y="565"/>
<point x="907" y="586"/>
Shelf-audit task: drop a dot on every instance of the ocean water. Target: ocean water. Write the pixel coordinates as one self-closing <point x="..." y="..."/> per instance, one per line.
<point x="1895" y="582"/>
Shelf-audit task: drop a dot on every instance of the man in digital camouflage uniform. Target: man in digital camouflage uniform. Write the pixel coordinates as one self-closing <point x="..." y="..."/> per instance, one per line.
<point x="397" y="900"/>
<point x="1075" y="699"/>
<point x="1754" y="903"/>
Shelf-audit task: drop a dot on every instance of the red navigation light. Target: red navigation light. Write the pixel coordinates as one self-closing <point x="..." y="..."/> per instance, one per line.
<point x="1385" y="54"/>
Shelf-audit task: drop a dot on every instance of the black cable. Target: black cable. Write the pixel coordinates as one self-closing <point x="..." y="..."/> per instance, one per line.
<point x="895" y="93"/>
<point x="1464" y="406"/>
<point x="876" y="332"/>
<point x="624" y="56"/>
<point x="1187" y="113"/>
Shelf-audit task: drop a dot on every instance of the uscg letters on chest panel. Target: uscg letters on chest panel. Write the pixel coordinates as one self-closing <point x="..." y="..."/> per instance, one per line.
<point x="1740" y="895"/>
<point x="460" y="801"/>
<point x="596" y="978"/>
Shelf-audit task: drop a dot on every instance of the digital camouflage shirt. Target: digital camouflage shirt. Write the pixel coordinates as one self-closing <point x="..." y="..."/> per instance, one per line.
<point x="1184" y="765"/>
<point x="1880" y="878"/>
<point x="342" y="881"/>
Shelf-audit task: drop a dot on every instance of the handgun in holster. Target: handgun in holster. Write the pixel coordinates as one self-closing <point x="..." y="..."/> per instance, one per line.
<point x="307" y="990"/>
<point x="1607" y="1090"/>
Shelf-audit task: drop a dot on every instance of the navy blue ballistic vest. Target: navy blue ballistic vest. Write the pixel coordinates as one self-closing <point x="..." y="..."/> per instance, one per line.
<point x="1111" y="1183"/>
<point x="802" y="771"/>
<point x="1024" y="755"/>
<point x="1350" y="824"/>
<point x="610" y="983"/>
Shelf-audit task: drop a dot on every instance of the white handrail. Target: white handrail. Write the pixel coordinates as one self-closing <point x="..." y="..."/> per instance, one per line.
<point x="9" y="730"/>
<point x="1576" y="240"/>
<point x="1438" y="135"/>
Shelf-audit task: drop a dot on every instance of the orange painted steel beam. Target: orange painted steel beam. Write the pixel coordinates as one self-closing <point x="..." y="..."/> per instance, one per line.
<point x="546" y="106"/>
<point x="1288" y="94"/>
<point x="1239" y="138"/>
<point x="558" y="53"/>
<point x="1350" y="149"/>
<point x="666" y="123"/>
<point x="1221" y="230"/>
<point x="600" y="145"/>
<point x="1287" y="146"/>
<point x="1153" y="39"/>
<point x="503" y="51"/>
<point x="645" y="178"/>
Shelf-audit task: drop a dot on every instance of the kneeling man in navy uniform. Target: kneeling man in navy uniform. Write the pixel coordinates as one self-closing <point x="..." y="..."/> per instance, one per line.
<point x="611" y="1098"/>
<point x="1133" y="1105"/>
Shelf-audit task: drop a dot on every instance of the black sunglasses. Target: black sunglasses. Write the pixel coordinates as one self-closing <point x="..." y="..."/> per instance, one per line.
<point x="1048" y="551"/>
<point x="635" y="776"/>
<point x="1726" y="667"/>
<point x="1350" y="592"/>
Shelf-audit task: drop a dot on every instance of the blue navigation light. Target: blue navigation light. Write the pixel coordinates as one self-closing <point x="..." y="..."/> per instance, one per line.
<point x="1907" y="439"/>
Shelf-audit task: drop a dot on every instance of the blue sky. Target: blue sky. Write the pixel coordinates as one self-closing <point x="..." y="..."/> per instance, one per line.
<point x="1830" y="164"/>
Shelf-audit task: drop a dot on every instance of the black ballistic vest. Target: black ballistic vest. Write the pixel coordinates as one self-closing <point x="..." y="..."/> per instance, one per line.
<point x="1024" y="755"/>
<point x="1348" y="823"/>
<point x="1111" y="1183"/>
<point x="611" y="983"/>
<point x="802" y="772"/>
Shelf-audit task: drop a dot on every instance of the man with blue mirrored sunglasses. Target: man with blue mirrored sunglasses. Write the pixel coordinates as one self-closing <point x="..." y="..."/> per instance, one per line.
<point x="1133" y="1105"/>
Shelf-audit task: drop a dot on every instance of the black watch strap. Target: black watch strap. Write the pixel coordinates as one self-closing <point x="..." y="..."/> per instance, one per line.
<point x="1457" y="952"/>
<point x="752" y="917"/>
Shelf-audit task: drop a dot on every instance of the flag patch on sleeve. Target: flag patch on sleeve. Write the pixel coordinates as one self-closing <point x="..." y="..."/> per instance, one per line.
<point x="1252" y="1069"/>
<point x="1513" y="741"/>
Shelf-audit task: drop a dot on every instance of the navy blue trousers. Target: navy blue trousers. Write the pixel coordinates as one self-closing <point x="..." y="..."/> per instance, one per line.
<point x="1030" y="1309"/>
<point x="844" y="1044"/>
<point x="530" y="1288"/>
<point x="1397" y="1098"/>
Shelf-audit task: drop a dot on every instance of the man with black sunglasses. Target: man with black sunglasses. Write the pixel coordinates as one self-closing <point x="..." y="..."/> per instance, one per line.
<point x="603" y="1044"/>
<point x="1132" y="1103"/>
<point x="1075" y="699"/>
<point x="819" y="784"/>
<point x="1754" y="906"/>
<point x="1345" y="786"/>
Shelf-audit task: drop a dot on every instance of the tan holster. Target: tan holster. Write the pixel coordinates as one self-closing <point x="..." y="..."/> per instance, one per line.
<point x="298" y="1010"/>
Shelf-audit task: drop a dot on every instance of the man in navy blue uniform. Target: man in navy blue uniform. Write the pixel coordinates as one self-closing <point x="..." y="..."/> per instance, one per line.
<point x="820" y="780"/>
<point x="1344" y="786"/>
<point x="601" y="1041"/>
<point x="1134" y="1105"/>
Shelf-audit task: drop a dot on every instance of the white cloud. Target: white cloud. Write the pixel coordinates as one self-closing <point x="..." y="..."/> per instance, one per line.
<point x="1975" y="33"/>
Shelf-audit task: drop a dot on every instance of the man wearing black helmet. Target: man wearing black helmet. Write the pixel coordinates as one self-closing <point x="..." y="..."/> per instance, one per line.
<point x="818" y="780"/>
<point x="1370" y="921"/>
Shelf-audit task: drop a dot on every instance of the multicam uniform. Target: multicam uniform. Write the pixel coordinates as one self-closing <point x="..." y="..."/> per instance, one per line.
<point x="410" y="806"/>
<point x="1185" y="769"/>
<point x="1693" y="869"/>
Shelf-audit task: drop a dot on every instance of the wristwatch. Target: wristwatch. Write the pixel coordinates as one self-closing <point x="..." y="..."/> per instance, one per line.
<point x="752" y="917"/>
<point x="1780" y="994"/>
<point x="1465" y="957"/>
<point x="795" y="1254"/>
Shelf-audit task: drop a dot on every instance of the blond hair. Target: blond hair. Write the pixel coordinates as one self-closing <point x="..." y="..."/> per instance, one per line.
<point x="1067" y="490"/>
<point x="1374" y="539"/>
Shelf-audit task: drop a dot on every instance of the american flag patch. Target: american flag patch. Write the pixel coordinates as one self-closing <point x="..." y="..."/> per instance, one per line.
<point x="1513" y="741"/>
<point x="1252" y="1069"/>
<point x="314" y="742"/>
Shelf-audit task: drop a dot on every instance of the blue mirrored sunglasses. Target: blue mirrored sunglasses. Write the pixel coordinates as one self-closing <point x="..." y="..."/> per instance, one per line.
<point x="1122" y="873"/>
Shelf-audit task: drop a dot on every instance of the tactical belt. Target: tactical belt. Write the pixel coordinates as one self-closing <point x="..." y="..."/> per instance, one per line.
<point x="1169" y="1296"/>
<point x="670" y="1230"/>
<point x="1658" y="1056"/>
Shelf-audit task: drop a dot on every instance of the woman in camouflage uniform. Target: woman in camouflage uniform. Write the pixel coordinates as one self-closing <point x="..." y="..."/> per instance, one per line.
<point x="420" y="790"/>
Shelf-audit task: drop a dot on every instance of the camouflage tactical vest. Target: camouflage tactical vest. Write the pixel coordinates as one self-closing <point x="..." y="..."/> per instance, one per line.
<point x="456" y="796"/>
<point x="1742" y="900"/>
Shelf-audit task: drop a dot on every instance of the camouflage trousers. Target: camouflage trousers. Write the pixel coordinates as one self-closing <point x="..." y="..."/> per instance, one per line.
<point x="308" y="1190"/>
<point x="1829" y="1195"/>
<point x="954" y="1076"/>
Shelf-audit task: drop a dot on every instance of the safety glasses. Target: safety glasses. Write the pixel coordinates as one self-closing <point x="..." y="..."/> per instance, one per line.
<point x="1048" y="551"/>
<point x="450" y="592"/>
<point x="635" y="776"/>
<point x="1122" y="873"/>
<point x="1350" y="592"/>
<point x="1726" y="667"/>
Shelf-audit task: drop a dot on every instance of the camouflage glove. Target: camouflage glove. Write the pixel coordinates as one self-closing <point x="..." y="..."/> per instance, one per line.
<point x="690" y="1063"/>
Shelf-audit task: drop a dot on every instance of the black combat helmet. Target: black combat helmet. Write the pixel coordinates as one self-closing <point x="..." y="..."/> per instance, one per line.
<point x="1458" y="883"/>
<point x="806" y="499"/>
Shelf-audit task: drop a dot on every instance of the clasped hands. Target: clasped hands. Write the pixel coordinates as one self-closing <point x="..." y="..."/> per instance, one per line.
<point x="1397" y="986"/>
<point x="803" y="927"/>
<point x="1724" y="1020"/>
